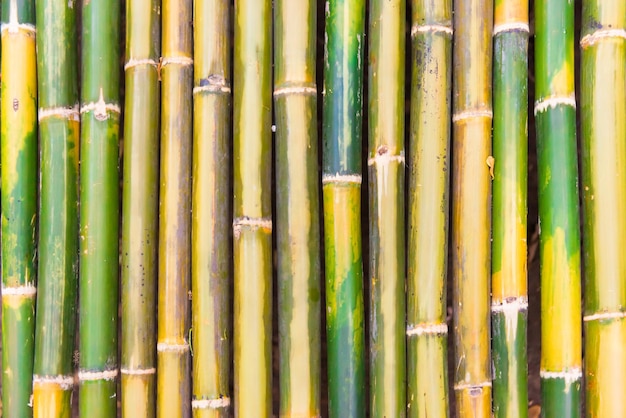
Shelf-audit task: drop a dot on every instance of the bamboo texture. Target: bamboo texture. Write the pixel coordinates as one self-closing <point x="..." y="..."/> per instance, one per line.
<point x="297" y="208"/>
<point x="471" y="203"/>
<point x="386" y="163"/>
<point x="18" y="111"/>
<point x="58" y="115"/>
<point x="211" y="245"/>
<point x="603" y="153"/>
<point x="140" y="188"/>
<point x="509" y="304"/>
<point x="252" y="211"/>
<point x="341" y="188"/>
<point x="174" y="271"/>
<point x="427" y="330"/>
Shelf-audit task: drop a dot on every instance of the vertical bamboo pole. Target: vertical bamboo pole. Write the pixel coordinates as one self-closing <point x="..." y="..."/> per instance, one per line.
<point x="555" y="116"/>
<point x="140" y="209"/>
<point x="471" y="203"/>
<point x="58" y="117"/>
<point x="603" y="117"/>
<point x="297" y="207"/>
<point x="509" y="304"/>
<point x="427" y="331"/>
<point x="252" y="212"/>
<point x="18" y="112"/>
<point x="211" y="245"/>
<point x="174" y="271"/>
<point x="386" y="208"/>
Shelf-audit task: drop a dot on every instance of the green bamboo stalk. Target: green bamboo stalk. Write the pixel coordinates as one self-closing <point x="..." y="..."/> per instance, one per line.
<point x="555" y="116"/>
<point x="174" y="271"/>
<point x="57" y="75"/>
<point x="341" y="178"/>
<point x="211" y="245"/>
<point x="297" y="208"/>
<point x="603" y="118"/>
<point x="386" y="208"/>
<point x="252" y="212"/>
<point x="509" y="304"/>
<point x="19" y="204"/>
<point x="99" y="209"/>
<point x="140" y="209"/>
<point x="471" y="203"/>
<point x="427" y="331"/>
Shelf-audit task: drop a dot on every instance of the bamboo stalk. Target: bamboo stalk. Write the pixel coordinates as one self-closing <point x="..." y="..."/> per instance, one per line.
<point x="58" y="216"/>
<point x="174" y="271"/>
<point x="603" y="117"/>
<point x="386" y="208"/>
<point x="252" y="223"/>
<point x="471" y="202"/>
<point x="211" y="244"/>
<point x="341" y="179"/>
<point x="427" y="331"/>
<point x="297" y="208"/>
<point x="509" y="304"/>
<point x="140" y="209"/>
<point x="555" y="116"/>
<point x="19" y="205"/>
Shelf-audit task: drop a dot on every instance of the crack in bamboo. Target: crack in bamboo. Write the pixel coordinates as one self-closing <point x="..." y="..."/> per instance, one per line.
<point x="222" y="402"/>
<point x="341" y="178"/>
<point x="89" y="376"/>
<point x="63" y="381"/>
<point x="569" y="376"/>
<point x="592" y="38"/>
<point x="446" y="29"/>
<point x="306" y="89"/>
<point x="472" y="113"/>
<point x="601" y="316"/>
<point x="26" y="290"/>
<point x="136" y="62"/>
<point x="70" y="113"/>
<point x="511" y="27"/>
<point x="138" y="372"/>
<point x="552" y="102"/>
<point x="176" y="60"/>
<point x="427" y="329"/>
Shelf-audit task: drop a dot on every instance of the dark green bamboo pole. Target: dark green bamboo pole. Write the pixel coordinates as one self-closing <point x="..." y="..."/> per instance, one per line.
<point x="471" y="204"/>
<point x="140" y="209"/>
<point x="18" y="112"/>
<point x="386" y="208"/>
<point x="509" y="304"/>
<point x="297" y="208"/>
<point x="603" y="146"/>
<point x="57" y="75"/>
<point x="341" y="179"/>
<point x="427" y="330"/>
<point x="211" y="245"/>
<point x="174" y="274"/>
<point x="252" y="212"/>
<point x="555" y="116"/>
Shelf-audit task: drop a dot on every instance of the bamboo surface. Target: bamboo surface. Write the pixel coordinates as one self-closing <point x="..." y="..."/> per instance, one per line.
<point x="140" y="196"/>
<point x="297" y="208"/>
<point x="211" y="244"/>
<point x="603" y="153"/>
<point x="18" y="111"/>
<point x="509" y="303"/>
<point x="427" y="330"/>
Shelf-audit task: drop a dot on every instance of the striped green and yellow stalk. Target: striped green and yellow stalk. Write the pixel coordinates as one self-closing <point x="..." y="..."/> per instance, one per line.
<point x="140" y="202"/>
<point x="19" y="204"/>
<point x="341" y="183"/>
<point x="57" y="74"/>
<point x="211" y="245"/>
<point x="603" y="117"/>
<point x="555" y="117"/>
<point x="386" y="208"/>
<point x="471" y="204"/>
<point x="174" y="271"/>
<point x="509" y="303"/>
<point x="297" y="208"/>
<point x="252" y="212"/>
<point x="427" y="331"/>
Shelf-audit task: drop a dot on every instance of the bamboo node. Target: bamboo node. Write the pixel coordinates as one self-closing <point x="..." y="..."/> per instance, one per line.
<point x="445" y="29"/>
<point x="138" y="372"/>
<point x="511" y="27"/>
<point x="596" y="36"/>
<point x="510" y="305"/>
<point x="552" y="102"/>
<point x="180" y="60"/>
<point x="70" y="113"/>
<point x="64" y="382"/>
<point x="28" y="290"/>
<point x="570" y="376"/>
<point x="305" y="89"/>
<point x="14" y="27"/>
<point x="88" y="376"/>
<point x="251" y="223"/>
<point x="472" y="113"/>
<point x="100" y="109"/>
<point x="137" y="62"/>
<point x="221" y="402"/>
<point x="603" y="316"/>
<point x="341" y="178"/>
<point x="383" y="157"/>
<point x="474" y="388"/>
<point x="427" y="329"/>
<point x="176" y="348"/>
<point x="213" y="84"/>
